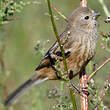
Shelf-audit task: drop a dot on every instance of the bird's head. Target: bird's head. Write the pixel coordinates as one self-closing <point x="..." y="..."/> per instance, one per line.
<point x="83" y="19"/>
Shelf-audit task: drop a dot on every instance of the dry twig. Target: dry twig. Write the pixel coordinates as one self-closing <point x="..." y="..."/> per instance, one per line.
<point x="83" y="79"/>
<point x="93" y="73"/>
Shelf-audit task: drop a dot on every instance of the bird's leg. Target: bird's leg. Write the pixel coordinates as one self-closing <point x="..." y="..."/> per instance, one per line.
<point x="80" y="91"/>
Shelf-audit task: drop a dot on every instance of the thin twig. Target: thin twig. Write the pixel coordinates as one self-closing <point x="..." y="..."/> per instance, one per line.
<point x="83" y="76"/>
<point x="93" y="73"/>
<point x="84" y="96"/>
<point x="107" y="13"/>
<point x="58" y="12"/>
<point x="58" y="39"/>
<point x="83" y="3"/>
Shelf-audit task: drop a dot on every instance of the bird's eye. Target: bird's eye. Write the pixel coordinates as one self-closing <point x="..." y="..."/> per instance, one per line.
<point x="86" y="17"/>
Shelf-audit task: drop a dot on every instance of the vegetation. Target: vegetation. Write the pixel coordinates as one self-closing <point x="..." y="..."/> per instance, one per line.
<point x="26" y="34"/>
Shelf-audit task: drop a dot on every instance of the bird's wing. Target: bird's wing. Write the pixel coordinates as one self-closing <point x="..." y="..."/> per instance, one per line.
<point x="53" y="52"/>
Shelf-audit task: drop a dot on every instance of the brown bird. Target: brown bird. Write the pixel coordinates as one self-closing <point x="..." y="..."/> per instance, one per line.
<point x="79" y="42"/>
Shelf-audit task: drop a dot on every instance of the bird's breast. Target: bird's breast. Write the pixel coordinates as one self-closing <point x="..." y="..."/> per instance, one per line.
<point x="81" y="53"/>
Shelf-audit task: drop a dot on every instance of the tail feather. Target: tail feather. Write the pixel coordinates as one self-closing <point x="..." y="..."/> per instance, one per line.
<point x="18" y="92"/>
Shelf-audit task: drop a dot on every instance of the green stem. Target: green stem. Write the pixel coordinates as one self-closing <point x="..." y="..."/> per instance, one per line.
<point x="63" y="55"/>
<point x="73" y="100"/>
<point x="104" y="8"/>
<point x="58" y="39"/>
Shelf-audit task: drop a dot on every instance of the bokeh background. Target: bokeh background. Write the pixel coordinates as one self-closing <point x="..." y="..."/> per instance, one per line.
<point x="30" y="27"/>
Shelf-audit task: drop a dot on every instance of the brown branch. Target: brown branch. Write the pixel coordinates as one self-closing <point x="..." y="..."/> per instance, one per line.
<point x="83" y="76"/>
<point x="83" y="3"/>
<point x="84" y="96"/>
<point x="93" y="73"/>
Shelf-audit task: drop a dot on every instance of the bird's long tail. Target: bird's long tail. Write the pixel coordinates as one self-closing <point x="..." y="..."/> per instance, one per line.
<point x="36" y="79"/>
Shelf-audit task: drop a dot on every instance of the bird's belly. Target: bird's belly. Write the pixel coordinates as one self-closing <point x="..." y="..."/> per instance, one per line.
<point x="77" y="61"/>
<point x="75" y="64"/>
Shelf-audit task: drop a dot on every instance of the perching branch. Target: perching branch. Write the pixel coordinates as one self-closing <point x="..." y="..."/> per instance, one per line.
<point x="83" y="76"/>
<point x="83" y="3"/>
<point x="63" y="55"/>
<point x="58" y="39"/>
<point x="84" y="96"/>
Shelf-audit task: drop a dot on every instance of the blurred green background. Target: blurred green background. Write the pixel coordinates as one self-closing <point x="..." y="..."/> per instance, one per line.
<point x="21" y="36"/>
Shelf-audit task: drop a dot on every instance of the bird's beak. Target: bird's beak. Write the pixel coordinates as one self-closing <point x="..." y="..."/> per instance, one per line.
<point x="96" y="15"/>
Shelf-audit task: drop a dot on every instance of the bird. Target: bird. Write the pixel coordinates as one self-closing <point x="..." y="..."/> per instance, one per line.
<point x="79" y="40"/>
